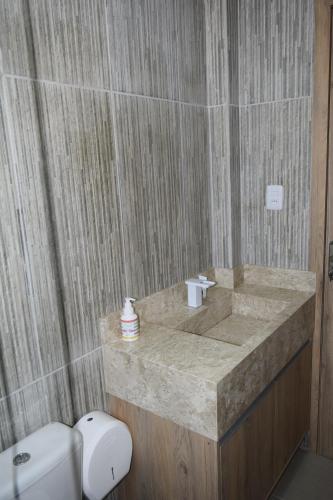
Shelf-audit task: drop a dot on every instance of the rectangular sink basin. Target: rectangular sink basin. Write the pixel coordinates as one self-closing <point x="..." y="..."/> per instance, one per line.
<point x="233" y="320"/>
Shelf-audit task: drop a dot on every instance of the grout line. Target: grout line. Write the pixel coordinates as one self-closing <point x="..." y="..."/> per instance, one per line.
<point x="238" y="52"/>
<point x="47" y="375"/>
<point x="52" y="82"/>
<point x="261" y="103"/>
<point x="212" y="205"/>
<point x="214" y="106"/>
<point x="278" y="101"/>
<point x="162" y="99"/>
<point x="174" y="101"/>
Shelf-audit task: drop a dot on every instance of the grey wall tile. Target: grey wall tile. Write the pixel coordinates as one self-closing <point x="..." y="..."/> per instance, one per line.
<point x="220" y="186"/>
<point x="20" y="362"/>
<point x="235" y="186"/>
<point x="16" y="41"/>
<point x="56" y="40"/>
<point x="23" y="412"/>
<point x="216" y="20"/>
<point x="31" y="269"/>
<point x="225" y="186"/>
<point x="276" y="149"/>
<point x="163" y="168"/>
<point x="233" y="52"/>
<point x="157" y="48"/>
<point x="77" y="126"/>
<point x="76" y="389"/>
<point x="87" y="377"/>
<point x="195" y="181"/>
<point x="64" y="396"/>
<point x="275" y="49"/>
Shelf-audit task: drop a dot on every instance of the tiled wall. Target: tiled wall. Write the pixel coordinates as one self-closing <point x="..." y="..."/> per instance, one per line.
<point x="275" y="85"/>
<point x="222" y="66"/>
<point x="104" y="185"/>
<point x="262" y="134"/>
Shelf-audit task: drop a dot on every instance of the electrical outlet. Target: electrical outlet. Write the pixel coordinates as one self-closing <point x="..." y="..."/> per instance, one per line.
<point x="274" y="197"/>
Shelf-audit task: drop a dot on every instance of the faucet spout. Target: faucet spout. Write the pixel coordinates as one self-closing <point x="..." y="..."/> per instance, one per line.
<point x="195" y="287"/>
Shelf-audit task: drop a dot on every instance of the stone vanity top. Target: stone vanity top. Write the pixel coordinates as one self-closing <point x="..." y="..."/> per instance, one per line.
<point x="202" y="368"/>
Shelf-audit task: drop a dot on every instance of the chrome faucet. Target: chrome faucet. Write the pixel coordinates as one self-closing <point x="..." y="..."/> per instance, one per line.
<point x="196" y="287"/>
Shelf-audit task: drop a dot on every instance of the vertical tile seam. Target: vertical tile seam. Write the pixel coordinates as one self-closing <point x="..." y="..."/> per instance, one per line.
<point x="210" y="152"/>
<point x="212" y="205"/>
<point x="228" y="65"/>
<point x="205" y="52"/>
<point x="238" y="58"/>
<point x="240" y="187"/>
<point x="116" y="150"/>
<point x="13" y="158"/>
<point x="226" y="30"/>
<point x="241" y="257"/>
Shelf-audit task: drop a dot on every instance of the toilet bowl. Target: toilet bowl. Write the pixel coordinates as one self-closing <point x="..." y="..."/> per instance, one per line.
<point x="53" y="462"/>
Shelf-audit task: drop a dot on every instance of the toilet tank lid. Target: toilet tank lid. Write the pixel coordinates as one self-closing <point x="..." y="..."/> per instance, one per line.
<point x="47" y="447"/>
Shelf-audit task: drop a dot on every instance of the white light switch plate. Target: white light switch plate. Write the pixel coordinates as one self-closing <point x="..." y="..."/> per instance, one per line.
<point x="274" y="197"/>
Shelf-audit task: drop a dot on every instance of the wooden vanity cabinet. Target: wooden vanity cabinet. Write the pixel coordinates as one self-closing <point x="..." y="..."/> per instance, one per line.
<point x="173" y="463"/>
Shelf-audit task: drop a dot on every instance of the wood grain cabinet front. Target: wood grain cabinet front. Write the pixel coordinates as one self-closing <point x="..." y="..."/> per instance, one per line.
<point x="173" y="463"/>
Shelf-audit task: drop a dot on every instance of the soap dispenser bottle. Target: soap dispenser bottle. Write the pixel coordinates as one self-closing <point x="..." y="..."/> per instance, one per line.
<point x="129" y="321"/>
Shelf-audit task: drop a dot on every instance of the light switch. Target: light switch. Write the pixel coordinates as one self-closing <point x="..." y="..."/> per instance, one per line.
<point x="274" y="197"/>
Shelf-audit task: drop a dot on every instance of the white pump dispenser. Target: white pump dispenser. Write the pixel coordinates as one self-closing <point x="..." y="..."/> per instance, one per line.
<point x="129" y="321"/>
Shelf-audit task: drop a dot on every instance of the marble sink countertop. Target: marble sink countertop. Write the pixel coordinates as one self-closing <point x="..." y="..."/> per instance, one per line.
<point x="202" y="368"/>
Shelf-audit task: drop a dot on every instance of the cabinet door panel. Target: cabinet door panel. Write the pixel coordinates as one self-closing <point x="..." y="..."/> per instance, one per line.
<point x="254" y="456"/>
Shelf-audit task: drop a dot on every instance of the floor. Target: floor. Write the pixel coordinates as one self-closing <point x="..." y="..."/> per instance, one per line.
<point x="308" y="477"/>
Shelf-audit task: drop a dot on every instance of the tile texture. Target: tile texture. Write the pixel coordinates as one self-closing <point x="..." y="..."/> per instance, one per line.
<point x="217" y="45"/>
<point x="275" y="149"/>
<point x="18" y="336"/>
<point x="158" y="48"/>
<point x="61" y="261"/>
<point x="220" y="186"/>
<point x="63" y="396"/>
<point x="23" y="412"/>
<point x="275" y="49"/>
<point x="233" y="50"/>
<point x="76" y="389"/>
<point x="275" y="67"/>
<point x="56" y="40"/>
<point x="34" y="311"/>
<point x="78" y="140"/>
<point x="225" y="186"/>
<point x="164" y="182"/>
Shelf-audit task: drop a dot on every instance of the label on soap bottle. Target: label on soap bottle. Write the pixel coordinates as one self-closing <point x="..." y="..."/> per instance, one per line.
<point x="129" y="329"/>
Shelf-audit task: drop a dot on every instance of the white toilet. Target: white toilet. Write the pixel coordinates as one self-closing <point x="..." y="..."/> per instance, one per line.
<point x="54" y="462"/>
